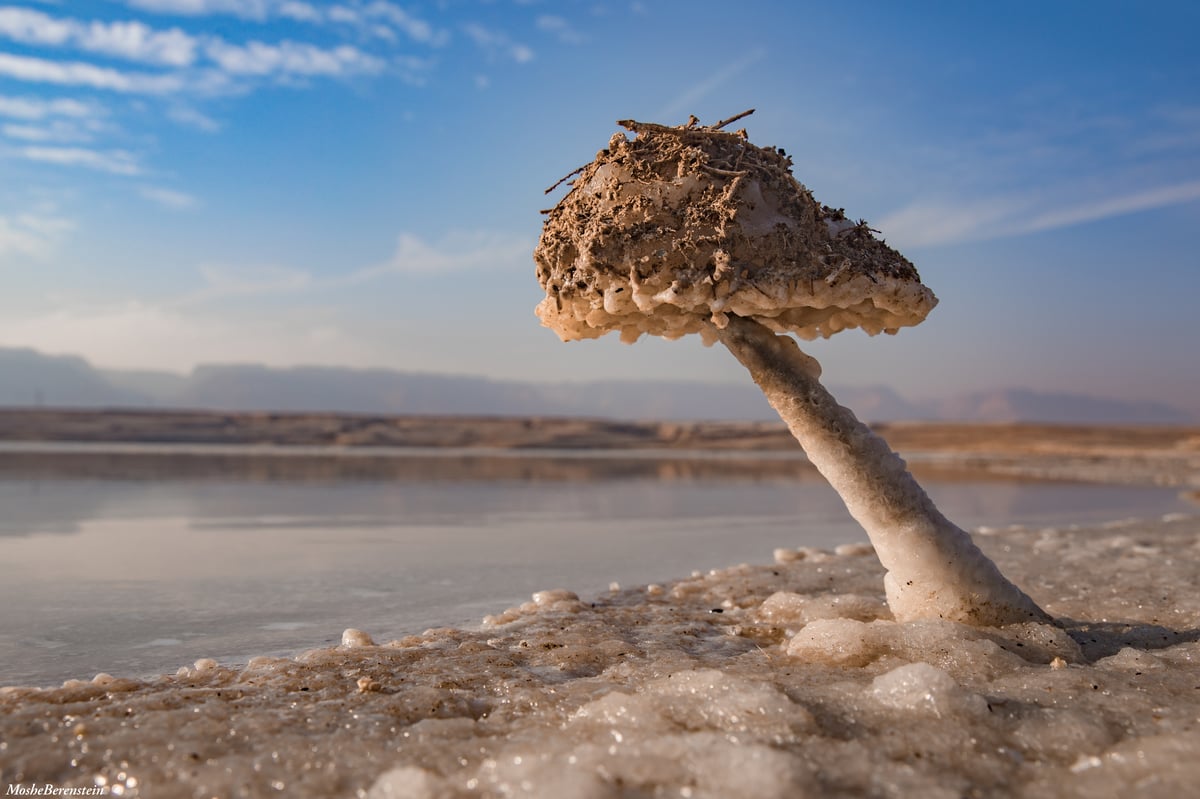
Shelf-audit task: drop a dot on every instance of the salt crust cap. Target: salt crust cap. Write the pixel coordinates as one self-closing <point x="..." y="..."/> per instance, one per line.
<point x="669" y="232"/>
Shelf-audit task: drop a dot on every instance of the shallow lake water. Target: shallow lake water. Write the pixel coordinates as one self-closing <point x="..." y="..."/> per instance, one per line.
<point x="135" y="562"/>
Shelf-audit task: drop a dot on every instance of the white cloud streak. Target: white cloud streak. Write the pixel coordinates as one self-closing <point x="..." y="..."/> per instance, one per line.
<point x="457" y="252"/>
<point x="924" y="224"/>
<point x="75" y="73"/>
<point x="932" y="224"/>
<point x="140" y="335"/>
<point x="33" y="27"/>
<point x="302" y="327"/>
<point x="1147" y="200"/>
<point x="186" y="66"/>
<point x="415" y="28"/>
<point x="192" y="118"/>
<point x="133" y="41"/>
<point x="251" y="60"/>
<point x="37" y="108"/>
<point x="15" y="240"/>
<point x="58" y="130"/>
<point x="301" y="12"/>
<point x="117" y="162"/>
<point x="137" y="42"/>
<point x="560" y="29"/>
<point x="246" y="9"/>
<point x="498" y="44"/>
<point x="379" y="18"/>
<point x="168" y="198"/>
<point x="32" y="235"/>
<point x="291" y="58"/>
<point x="689" y="98"/>
<point x="464" y="251"/>
<point x="222" y="282"/>
<point x="177" y="50"/>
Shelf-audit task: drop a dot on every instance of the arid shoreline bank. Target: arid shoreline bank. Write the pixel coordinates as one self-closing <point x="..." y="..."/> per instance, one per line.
<point x="1149" y="454"/>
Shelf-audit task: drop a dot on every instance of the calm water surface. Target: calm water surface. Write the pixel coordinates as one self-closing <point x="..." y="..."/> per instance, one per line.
<point x="137" y="563"/>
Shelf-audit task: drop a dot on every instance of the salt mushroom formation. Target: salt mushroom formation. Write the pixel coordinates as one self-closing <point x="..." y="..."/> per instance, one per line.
<point x="693" y="229"/>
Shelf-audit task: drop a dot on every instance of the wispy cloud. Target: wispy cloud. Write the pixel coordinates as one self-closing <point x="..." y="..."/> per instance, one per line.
<point x="223" y="281"/>
<point x="1133" y="202"/>
<point x="376" y="18"/>
<point x="301" y="12"/>
<point x="178" y="50"/>
<point x="177" y="66"/>
<point x="77" y="73"/>
<point x="247" y="9"/>
<point x="32" y="27"/>
<point x="132" y="40"/>
<point x="117" y="162"/>
<point x="690" y="97"/>
<point x="191" y="117"/>
<point x="291" y="58"/>
<point x="203" y="326"/>
<point x="412" y="26"/>
<point x="560" y="28"/>
<point x="137" y="42"/>
<point x="37" y="108"/>
<point x="141" y="334"/>
<point x="168" y="198"/>
<point x="379" y="19"/>
<point x="43" y="120"/>
<point x="15" y="240"/>
<point x="61" y="131"/>
<point x="463" y="251"/>
<point x="29" y="234"/>
<point x="457" y="252"/>
<point x="498" y="44"/>
<point x="931" y="224"/>
<point x="1172" y="129"/>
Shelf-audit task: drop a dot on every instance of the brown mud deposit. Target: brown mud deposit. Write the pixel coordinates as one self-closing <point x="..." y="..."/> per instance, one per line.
<point x="679" y="228"/>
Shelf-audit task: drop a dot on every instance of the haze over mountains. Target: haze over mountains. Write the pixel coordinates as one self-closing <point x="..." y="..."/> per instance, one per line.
<point x="29" y="378"/>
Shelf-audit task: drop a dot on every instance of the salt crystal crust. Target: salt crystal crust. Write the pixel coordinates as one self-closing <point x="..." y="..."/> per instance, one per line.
<point x="934" y="570"/>
<point x="804" y="686"/>
<point x="678" y="227"/>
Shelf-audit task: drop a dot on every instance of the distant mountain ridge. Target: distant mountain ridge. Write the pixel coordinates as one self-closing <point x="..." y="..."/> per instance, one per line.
<point x="29" y="378"/>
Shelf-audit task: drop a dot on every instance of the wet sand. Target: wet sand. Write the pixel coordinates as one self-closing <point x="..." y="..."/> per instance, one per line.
<point x="777" y="680"/>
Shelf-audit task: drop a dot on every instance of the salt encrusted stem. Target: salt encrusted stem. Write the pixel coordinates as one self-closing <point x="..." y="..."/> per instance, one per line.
<point x="934" y="570"/>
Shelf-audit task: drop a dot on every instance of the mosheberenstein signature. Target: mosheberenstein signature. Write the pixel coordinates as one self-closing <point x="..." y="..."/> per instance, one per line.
<point x="48" y="789"/>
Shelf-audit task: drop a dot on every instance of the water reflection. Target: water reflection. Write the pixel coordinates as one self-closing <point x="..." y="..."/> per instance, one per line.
<point x="138" y="562"/>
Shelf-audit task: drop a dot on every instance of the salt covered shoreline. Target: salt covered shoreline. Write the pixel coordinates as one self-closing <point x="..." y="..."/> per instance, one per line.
<point x="787" y="679"/>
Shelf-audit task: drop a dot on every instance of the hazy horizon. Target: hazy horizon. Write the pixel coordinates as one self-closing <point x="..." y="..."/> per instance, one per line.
<point x="358" y="183"/>
<point x="32" y="379"/>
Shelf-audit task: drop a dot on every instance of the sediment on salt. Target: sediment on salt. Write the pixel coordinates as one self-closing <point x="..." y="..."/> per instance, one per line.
<point x="784" y="679"/>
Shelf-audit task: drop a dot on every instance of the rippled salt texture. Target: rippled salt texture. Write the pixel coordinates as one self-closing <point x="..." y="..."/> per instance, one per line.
<point x="782" y="680"/>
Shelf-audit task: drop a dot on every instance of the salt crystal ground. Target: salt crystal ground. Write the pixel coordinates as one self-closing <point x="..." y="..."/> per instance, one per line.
<point x="787" y="679"/>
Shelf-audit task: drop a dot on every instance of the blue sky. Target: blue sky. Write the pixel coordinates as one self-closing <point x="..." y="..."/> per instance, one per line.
<point x="358" y="183"/>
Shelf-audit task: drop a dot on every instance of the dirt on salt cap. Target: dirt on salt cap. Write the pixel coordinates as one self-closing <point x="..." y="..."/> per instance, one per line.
<point x="693" y="229"/>
<point x="669" y="232"/>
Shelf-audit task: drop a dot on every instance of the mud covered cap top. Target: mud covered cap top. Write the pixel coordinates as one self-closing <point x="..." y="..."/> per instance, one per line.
<point x="670" y="231"/>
